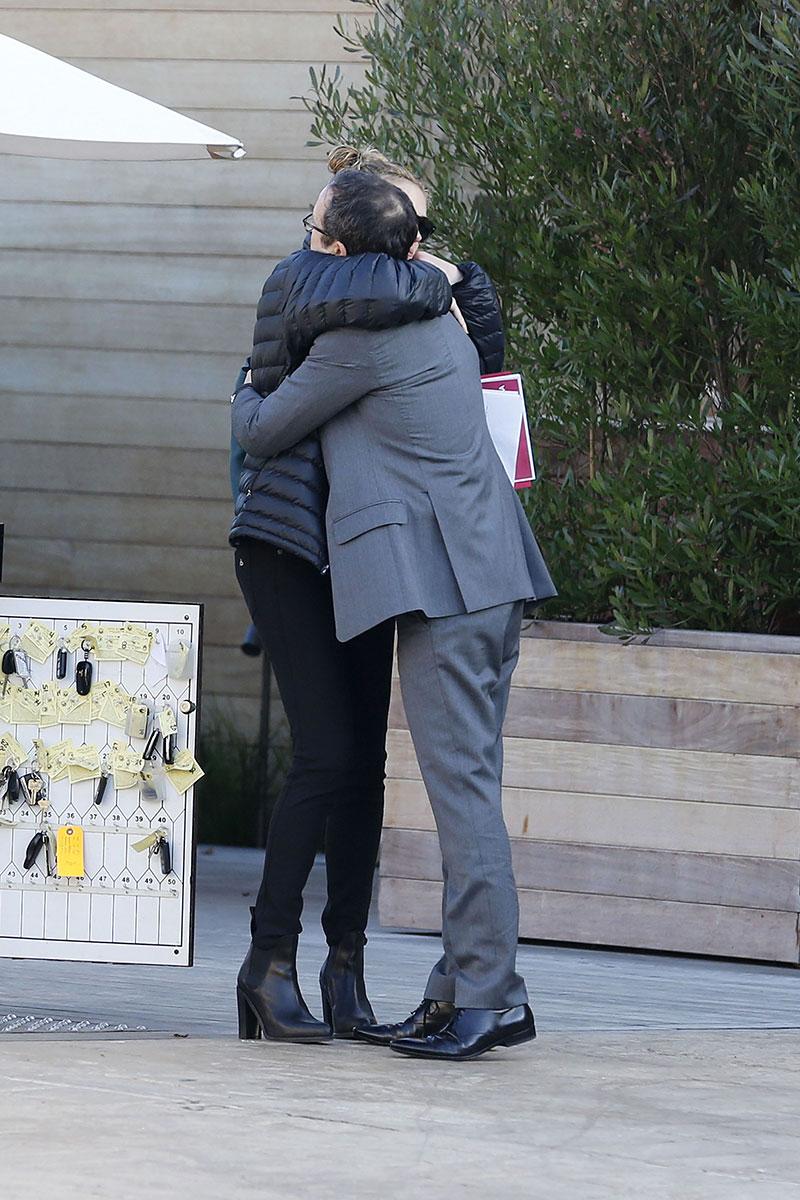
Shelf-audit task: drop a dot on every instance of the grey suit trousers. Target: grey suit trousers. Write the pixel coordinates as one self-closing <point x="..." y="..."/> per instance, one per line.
<point x="455" y="676"/>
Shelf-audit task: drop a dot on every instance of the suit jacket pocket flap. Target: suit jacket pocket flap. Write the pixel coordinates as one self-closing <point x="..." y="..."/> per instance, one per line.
<point x="372" y="516"/>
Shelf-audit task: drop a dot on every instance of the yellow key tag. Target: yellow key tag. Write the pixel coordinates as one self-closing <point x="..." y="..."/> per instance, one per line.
<point x="69" y="851"/>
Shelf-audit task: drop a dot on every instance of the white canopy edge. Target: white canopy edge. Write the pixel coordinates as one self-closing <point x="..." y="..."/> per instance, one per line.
<point x="49" y="108"/>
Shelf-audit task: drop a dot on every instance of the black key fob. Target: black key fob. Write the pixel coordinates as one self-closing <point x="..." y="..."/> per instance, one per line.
<point x="168" y="751"/>
<point x="164" y="856"/>
<point x="83" y="677"/>
<point x="102" y="784"/>
<point x="61" y="664"/>
<point x="13" y="786"/>
<point x="9" y="663"/>
<point x="34" y="846"/>
<point x="151" y="743"/>
<point x="49" y="861"/>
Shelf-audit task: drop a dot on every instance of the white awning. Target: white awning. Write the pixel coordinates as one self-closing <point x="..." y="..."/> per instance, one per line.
<point x="49" y="108"/>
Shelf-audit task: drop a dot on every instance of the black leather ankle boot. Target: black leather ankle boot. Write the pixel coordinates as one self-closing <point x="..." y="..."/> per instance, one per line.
<point x="344" y="995"/>
<point x="270" y="1002"/>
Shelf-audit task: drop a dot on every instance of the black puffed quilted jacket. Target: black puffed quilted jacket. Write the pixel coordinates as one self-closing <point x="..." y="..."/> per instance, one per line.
<point x="282" y="499"/>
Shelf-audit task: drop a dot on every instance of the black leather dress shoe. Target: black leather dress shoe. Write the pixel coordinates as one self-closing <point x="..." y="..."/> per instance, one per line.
<point x="430" y="1017"/>
<point x="471" y="1033"/>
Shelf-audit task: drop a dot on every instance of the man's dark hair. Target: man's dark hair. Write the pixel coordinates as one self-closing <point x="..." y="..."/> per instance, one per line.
<point x="369" y="215"/>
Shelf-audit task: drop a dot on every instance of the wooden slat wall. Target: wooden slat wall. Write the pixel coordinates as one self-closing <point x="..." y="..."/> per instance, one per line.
<point x="127" y="294"/>
<point x="651" y="791"/>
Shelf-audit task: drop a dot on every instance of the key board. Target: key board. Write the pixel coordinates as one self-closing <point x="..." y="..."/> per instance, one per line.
<point x="99" y="711"/>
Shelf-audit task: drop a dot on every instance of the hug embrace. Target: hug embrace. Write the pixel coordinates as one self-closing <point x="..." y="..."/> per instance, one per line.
<point x="372" y="506"/>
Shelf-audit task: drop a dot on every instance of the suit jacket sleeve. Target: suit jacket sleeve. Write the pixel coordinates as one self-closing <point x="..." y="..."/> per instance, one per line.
<point x="337" y="372"/>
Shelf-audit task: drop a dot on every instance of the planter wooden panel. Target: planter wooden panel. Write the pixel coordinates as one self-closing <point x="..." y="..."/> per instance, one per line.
<point x="651" y="791"/>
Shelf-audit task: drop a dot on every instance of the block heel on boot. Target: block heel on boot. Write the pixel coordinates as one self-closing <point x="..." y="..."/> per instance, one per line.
<point x="249" y="1028"/>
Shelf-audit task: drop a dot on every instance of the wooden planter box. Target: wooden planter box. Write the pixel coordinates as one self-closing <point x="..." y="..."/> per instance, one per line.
<point x="652" y="794"/>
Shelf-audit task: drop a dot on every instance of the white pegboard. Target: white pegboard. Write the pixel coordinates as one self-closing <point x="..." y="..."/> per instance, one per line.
<point x="124" y="909"/>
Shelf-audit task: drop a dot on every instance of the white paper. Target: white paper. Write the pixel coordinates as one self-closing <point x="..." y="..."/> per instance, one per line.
<point x="507" y="420"/>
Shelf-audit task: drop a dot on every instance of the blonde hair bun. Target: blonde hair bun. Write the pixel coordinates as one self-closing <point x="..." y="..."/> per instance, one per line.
<point x="371" y="160"/>
<point x="344" y="158"/>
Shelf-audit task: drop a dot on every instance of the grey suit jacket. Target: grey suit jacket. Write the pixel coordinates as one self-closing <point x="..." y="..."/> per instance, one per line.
<point x="421" y="515"/>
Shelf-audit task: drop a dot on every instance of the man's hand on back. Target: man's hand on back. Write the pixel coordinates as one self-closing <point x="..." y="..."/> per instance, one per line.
<point x="459" y="316"/>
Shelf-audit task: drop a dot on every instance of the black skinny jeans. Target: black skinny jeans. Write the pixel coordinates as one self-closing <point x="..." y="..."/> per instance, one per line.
<point x="336" y="697"/>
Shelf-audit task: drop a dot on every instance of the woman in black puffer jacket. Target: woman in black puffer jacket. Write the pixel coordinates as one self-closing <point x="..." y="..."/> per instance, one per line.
<point x="336" y="695"/>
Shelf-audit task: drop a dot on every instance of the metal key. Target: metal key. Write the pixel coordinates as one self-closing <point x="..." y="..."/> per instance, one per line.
<point x="157" y="842"/>
<point x="16" y="661"/>
<point x="32" y="787"/>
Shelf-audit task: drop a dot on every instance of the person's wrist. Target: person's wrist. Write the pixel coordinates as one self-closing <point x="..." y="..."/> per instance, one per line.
<point x="448" y="269"/>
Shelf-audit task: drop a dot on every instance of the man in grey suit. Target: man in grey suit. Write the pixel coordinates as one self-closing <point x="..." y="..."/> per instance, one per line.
<point x="424" y="525"/>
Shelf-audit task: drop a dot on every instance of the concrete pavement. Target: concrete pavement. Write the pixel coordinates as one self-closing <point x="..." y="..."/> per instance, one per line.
<point x="654" y="1078"/>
